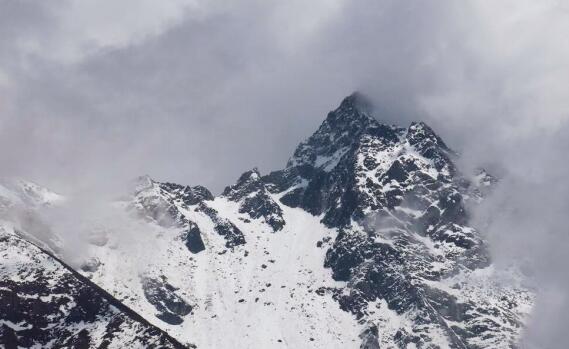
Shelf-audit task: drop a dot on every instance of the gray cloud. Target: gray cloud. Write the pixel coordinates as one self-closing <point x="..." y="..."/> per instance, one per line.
<point x="209" y="90"/>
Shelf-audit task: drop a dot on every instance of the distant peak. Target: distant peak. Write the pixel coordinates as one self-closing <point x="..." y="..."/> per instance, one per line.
<point x="358" y="102"/>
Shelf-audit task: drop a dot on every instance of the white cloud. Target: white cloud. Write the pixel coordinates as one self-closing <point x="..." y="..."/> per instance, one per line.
<point x="82" y="27"/>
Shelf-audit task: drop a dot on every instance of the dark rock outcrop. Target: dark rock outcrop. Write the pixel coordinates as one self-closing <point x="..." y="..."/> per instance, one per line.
<point x="255" y="200"/>
<point x="171" y="307"/>
<point x="44" y="303"/>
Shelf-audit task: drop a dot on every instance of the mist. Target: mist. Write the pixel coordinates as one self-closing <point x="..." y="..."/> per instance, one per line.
<point x="93" y="95"/>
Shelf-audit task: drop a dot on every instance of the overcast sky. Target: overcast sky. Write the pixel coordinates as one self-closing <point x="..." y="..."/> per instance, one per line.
<point x="199" y="91"/>
<point x="93" y="93"/>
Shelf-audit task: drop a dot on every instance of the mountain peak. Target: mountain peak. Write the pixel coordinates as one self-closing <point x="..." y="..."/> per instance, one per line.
<point x="248" y="182"/>
<point x="341" y="128"/>
<point x="357" y="101"/>
<point x="354" y="109"/>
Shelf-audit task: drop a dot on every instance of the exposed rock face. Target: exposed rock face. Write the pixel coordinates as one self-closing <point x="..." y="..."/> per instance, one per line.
<point x="369" y="338"/>
<point x="224" y="227"/>
<point x="194" y="241"/>
<point x="171" y="307"/>
<point x="159" y="201"/>
<point x="354" y="165"/>
<point x="45" y="304"/>
<point x="167" y="204"/>
<point x="188" y="195"/>
<point x="254" y="199"/>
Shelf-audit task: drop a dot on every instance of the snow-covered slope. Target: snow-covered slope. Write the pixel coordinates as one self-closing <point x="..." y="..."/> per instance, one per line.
<point x="261" y="292"/>
<point x="45" y="304"/>
<point x="363" y="240"/>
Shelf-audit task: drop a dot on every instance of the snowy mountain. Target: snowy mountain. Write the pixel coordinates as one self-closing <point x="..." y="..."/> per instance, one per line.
<point x="363" y="240"/>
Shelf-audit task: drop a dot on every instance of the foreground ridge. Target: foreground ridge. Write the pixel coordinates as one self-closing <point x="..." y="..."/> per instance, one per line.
<point x="47" y="304"/>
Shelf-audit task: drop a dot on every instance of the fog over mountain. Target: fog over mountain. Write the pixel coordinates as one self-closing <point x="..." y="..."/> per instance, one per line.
<point x="94" y="94"/>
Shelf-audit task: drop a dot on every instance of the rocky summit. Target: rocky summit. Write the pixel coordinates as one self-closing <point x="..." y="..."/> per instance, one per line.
<point x="363" y="240"/>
